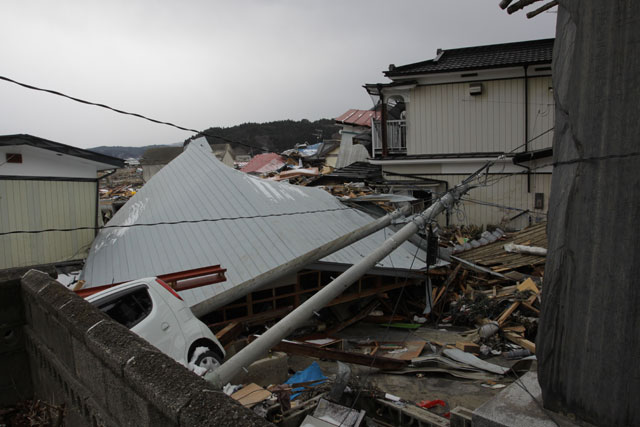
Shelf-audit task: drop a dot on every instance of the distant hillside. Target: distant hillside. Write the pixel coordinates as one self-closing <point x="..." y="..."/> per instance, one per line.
<point x="273" y="136"/>
<point x="122" y="152"/>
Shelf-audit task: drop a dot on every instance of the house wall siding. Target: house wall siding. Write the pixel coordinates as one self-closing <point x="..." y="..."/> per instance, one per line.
<point x="41" y="204"/>
<point x="541" y="113"/>
<point x="509" y="191"/>
<point x="444" y="118"/>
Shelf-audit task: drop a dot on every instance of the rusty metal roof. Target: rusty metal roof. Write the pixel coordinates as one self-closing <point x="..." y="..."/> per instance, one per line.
<point x="358" y="117"/>
<point x="264" y="163"/>
<point x="223" y="216"/>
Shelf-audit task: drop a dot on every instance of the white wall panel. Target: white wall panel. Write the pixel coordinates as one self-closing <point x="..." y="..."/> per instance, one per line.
<point x="541" y="112"/>
<point x="446" y="119"/>
<point x="510" y="191"/>
<point x="38" y="205"/>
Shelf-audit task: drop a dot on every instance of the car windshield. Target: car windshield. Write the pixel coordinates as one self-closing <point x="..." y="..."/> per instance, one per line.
<point x="127" y="308"/>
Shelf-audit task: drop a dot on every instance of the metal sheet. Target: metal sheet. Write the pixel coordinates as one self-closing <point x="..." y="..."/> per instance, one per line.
<point x="195" y="186"/>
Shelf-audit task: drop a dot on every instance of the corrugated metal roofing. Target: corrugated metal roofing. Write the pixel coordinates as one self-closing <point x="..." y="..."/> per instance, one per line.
<point x="196" y="186"/>
<point x="358" y="117"/>
<point x="478" y="57"/>
<point x="263" y="163"/>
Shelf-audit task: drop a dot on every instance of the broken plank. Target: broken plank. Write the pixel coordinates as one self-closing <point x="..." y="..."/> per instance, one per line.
<point x="468" y="347"/>
<point x="528" y="285"/>
<point x="385" y="319"/>
<point x="353" y="319"/>
<point x="251" y="395"/>
<point x="505" y="315"/>
<point x="521" y="341"/>
<point x="383" y="363"/>
<point x="530" y="307"/>
<point x="518" y="329"/>
<point x="229" y="333"/>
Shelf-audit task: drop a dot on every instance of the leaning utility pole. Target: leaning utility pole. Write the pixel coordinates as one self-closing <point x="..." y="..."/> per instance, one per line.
<point x="288" y="324"/>
<point x="256" y="283"/>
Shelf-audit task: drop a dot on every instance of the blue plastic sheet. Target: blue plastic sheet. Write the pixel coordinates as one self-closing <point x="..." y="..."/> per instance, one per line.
<point x="312" y="373"/>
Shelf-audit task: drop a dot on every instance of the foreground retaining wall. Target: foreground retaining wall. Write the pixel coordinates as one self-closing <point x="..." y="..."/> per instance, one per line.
<point x="106" y="375"/>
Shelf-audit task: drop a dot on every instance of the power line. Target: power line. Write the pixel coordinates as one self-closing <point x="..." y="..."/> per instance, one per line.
<point x="127" y="113"/>
<point x="194" y="221"/>
<point x="386" y="333"/>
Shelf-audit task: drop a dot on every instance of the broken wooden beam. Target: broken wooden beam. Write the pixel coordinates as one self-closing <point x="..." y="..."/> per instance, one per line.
<point x="363" y="313"/>
<point x="505" y="314"/>
<point x="521" y="341"/>
<point x="300" y="349"/>
<point x="229" y="333"/>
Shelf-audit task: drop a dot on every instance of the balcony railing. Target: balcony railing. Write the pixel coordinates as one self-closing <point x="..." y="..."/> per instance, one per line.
<point x="396" y="137"/>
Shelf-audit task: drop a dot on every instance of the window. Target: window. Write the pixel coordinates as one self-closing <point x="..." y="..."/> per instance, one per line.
<point x="13" y="158"/>
<point x="129" y="307"/>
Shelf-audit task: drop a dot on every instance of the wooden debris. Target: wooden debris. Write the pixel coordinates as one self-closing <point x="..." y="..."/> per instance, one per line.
<point x="521" y="341"/>
<point x="505" y="315"/>
<point x="250" y="395"/>
<point x="468" y="346"/>
<point x="379" y="362"/>
<point x="363" y="313"/>
<point x="227" y="334"/>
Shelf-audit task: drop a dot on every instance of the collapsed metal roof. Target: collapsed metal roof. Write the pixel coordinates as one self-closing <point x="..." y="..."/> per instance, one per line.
<point x="223" y="216"/>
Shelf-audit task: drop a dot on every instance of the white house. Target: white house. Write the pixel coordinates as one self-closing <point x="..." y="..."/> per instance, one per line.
<point x="462" y="108"/>
<point x="354" y="123"/>
<point x="47" y="185"/>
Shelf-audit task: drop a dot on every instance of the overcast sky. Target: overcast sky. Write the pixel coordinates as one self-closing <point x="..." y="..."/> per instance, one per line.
<point x="219" y="63"/>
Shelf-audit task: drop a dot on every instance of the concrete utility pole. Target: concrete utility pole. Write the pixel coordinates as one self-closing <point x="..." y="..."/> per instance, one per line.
<point x="287" y="325"/>
<point x="256" y="283"/>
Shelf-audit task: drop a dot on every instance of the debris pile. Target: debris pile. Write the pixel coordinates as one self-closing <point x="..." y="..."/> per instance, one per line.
<point x="32" y="413"/>
<point x="492" y="287"/>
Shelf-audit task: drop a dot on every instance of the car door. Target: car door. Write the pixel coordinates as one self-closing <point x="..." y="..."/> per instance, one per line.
<point x="146" y="315"/>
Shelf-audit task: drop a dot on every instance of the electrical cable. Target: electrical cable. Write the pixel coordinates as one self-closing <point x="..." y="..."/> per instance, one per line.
<point x="194" y="221"/>
<point x="518" y="381"/>
<point x="386" y="333"/>
<point x="127" y="113"/>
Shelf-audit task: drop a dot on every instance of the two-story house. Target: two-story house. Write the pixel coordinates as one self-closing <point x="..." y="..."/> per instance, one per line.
<point x="462" y="108"/>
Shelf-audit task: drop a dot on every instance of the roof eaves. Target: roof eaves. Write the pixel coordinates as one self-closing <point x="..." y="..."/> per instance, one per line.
<point x="443" y="56"/>
<point x="34" y="141"/>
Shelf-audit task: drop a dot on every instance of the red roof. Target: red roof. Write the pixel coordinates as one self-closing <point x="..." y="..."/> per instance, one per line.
<point x="358" y="117"/>
<point x="263" y="163"/>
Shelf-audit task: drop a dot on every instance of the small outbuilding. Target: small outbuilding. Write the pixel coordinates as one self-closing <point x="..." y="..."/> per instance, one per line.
<point x="47" y="185"/>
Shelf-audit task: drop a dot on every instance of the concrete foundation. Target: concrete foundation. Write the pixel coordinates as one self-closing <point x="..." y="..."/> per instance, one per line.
<point x="519" y="405"/>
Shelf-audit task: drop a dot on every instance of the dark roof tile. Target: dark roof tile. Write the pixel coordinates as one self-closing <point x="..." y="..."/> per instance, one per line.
<point x="479" y="57"/>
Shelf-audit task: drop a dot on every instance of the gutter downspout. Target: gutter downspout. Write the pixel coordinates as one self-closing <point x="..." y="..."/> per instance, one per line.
<point x="526" y="123"/>
<point x="320" y="299"/>
<point x="207" y="306"/>
<point x="383" y="123"/>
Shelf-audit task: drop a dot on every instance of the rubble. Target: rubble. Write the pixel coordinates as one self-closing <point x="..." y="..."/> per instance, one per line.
<point x="486" y="303"/>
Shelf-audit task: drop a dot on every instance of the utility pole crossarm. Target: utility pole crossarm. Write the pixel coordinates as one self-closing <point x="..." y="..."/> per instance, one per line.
<point x="288" y="324"/>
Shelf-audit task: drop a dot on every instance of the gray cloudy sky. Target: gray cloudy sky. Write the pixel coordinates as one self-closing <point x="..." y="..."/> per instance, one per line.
<point x="219" y="63"/>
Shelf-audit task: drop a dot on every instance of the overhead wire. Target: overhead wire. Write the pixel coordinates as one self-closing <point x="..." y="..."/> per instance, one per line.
<point x="386" y="333"/>
<point x="194" y="221"/>
<point x="128" y="113"/>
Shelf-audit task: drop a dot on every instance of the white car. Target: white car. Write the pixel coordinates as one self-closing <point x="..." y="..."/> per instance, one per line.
<point x="154" y="311"/>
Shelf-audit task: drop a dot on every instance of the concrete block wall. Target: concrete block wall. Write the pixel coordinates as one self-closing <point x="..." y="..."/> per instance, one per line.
<point x="15" y="378"/>
<point x="106" y="375"/>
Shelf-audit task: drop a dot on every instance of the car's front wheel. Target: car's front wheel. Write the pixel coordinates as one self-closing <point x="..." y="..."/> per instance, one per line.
<point x="208" y="360"/>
